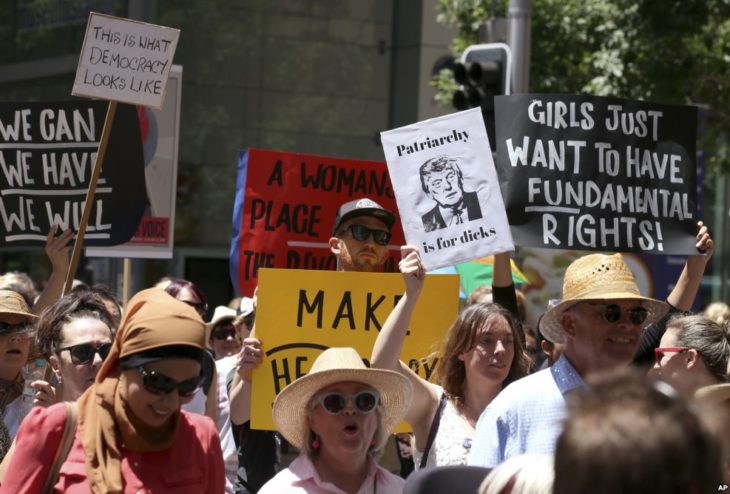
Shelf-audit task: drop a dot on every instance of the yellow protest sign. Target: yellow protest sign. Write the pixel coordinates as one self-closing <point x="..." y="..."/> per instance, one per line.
<point x="300" y="313"/>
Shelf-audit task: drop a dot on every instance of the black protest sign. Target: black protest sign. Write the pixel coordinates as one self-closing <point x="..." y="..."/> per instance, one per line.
<point x="594" y="173"/>
<point x="47" y="153"/>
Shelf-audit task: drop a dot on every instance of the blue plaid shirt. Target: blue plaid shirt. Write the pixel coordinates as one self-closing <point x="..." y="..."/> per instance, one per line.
<point x="526" y="417"/>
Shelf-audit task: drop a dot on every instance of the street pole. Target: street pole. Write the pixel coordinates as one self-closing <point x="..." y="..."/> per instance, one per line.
<point x="519" y="15"/>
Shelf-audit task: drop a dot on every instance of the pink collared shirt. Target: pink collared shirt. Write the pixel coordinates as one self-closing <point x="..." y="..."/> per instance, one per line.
<point x="301" y="477"/>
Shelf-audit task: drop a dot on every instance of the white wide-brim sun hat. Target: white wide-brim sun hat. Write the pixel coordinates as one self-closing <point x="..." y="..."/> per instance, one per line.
<point x="336" y="365"/>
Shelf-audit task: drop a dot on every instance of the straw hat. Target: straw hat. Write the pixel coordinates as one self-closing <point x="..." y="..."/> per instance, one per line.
<point x="597" y="277"/>
<point x="11" y="302"/>
<point x="333" y="366"/>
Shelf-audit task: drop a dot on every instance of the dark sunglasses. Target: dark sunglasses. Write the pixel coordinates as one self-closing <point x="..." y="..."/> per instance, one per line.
<point x="84" y="352"/>
<point x="224" y="332"/>
<point x="362" y="233"/>
<point x="335" y="403"/>
<point x="612" y="313"/>
<point x="159" y="384"/>
<point x="7" y="328"/>
<point x="660" y="352"/>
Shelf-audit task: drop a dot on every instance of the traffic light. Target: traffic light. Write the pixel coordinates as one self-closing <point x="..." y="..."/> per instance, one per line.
<point x="483" y="72"/>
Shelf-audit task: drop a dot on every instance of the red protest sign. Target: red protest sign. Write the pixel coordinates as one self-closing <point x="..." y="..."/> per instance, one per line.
<point x="286" y="205"/>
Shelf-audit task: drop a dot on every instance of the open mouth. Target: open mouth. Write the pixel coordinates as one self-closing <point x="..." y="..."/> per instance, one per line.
<point x="351" y="429"/>
<point x="621" y="340"/>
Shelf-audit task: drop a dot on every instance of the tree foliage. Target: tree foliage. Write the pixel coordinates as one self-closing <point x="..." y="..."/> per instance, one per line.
<point x="670" y="51"/>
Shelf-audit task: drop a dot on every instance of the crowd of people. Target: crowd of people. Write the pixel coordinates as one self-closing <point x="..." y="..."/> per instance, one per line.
<point x="610" y="391"/>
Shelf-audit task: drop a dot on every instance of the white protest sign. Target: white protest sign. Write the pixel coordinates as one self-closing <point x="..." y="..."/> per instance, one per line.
<point x="447" y="190"/>
<point x="125" y="60"/>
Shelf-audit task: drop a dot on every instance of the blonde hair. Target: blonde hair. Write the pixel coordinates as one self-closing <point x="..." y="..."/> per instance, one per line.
<point x="718" y="312"/>
<point x="524" y="474"/>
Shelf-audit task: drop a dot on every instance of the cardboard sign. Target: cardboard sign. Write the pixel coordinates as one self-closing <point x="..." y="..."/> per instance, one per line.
<point x="285" y="209"/>
<point x="47" y="152"/>
<point x="447" y="189"/>
<point x="125" y="60"/>
<point x="154" y="238"/>
<point x="300" y="313"/>
<point x="593" y="173"/>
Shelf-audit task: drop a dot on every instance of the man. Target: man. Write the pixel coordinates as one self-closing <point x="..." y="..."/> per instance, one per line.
<point x="628" y="434"/>
<point x="360" y="235"/>
<point x="600" y="320"/>
<point x="442" y="181"/>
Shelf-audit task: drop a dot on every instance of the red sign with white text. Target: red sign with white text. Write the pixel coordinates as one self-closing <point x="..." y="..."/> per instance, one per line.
<point x="289" y="206"/>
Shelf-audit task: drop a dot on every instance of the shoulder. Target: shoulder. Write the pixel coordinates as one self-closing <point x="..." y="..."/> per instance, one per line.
<point x="525" y="390"/>
<point x="199" y="425"/>
<point x="281" y="482"/>
<point x="49" y="420"/>
<point x="389" y="482"/>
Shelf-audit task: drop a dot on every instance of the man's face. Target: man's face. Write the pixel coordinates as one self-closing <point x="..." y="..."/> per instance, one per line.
<point x="444" y="187"/>
<point x="596" y="344"/>
<point x="359" y="255"/>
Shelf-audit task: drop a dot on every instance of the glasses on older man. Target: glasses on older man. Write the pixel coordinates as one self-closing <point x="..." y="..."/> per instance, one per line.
<point x="361" y="233"/>
<point x="84" y="353"/>
<point x="335" y="403"/>
<point x="613" y="313"/>
<point x="659" y="353"/>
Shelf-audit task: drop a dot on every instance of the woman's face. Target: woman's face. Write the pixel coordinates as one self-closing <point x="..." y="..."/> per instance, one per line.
<point x="494" y="351"/>
<point x="154" y="410"/>
<point x="350" y="432"/>
<point x="14" y="347"/>
<point x="225" y="339"/>
<point x="77" y="375"/>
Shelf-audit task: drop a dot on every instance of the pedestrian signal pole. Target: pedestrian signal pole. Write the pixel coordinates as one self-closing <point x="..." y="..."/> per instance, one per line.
<point x="483" y="73"/>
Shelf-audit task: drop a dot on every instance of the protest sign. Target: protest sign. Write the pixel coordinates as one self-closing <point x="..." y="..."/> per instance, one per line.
<point x="593" y="173"/>
<point x="47" y="150"/>
<point x="285" y="209"/>
<point x="300" y="313"/>
<point x="154" y="237"/>
<point x="447" y="189"/>
<point x="125" y="60"/>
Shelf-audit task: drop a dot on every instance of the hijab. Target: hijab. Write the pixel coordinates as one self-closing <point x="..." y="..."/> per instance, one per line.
<point x="153" y="320"/>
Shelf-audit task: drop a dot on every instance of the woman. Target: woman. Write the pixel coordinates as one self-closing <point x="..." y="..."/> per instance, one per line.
<point x="482" y="352"/>
<point x="131" y="433"/>
<point x="693" y="353"/>
<point x="339" y="416"/>
<point x="224" y="331"/>
<point x="205" y="401"/>
<point x="74" y="335"/>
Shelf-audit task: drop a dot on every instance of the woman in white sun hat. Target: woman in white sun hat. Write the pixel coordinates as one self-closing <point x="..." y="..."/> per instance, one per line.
<point x="339" y="416"/>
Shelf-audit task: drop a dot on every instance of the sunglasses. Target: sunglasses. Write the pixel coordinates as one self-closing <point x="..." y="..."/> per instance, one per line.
<point x="660" y="352"/>
<point x="613" y="313"/>
<point x="224" y="332"/>
<point x="84" y="353"/>
<point x="159" y="384"/>
<point x="7" y="328"/>
<point x="362" y="233"/>
<point x="335" y="403"/>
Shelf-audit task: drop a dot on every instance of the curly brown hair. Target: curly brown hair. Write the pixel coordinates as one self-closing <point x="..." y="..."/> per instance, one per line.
<point x="462" y="336"/>
<point x="72" y="306"/>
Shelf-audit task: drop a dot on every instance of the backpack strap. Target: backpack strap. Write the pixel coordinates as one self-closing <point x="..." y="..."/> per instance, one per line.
<point x="434" y="429"/>
<point x="69" y="431"/>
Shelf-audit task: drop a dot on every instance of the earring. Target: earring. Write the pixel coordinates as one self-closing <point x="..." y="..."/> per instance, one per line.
<point x="372" y="443"/>
<point x="315" y="443"/>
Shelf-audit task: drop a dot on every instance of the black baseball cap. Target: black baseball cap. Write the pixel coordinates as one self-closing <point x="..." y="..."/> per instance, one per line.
<point x="363" y="207"/>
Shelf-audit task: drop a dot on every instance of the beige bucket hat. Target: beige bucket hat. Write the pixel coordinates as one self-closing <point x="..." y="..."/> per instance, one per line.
<point x="336" y="365"/>
<point x="597" y="277"/>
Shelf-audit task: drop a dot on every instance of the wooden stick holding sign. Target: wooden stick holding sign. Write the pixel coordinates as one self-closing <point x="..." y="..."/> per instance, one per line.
<point x="121" y="61"/>
<point x="76" y="254"/>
